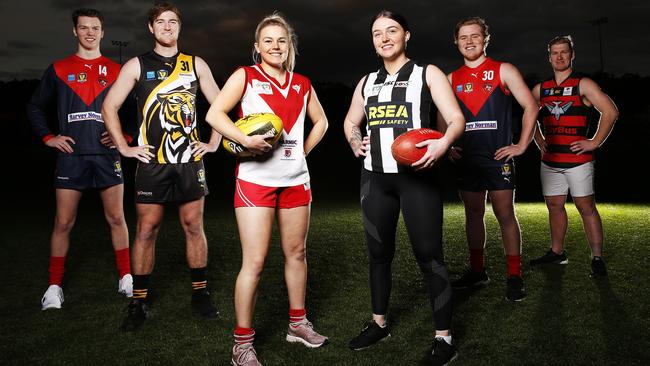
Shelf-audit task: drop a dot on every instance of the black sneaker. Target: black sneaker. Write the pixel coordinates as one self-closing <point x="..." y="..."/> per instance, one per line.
<point x="471" y="279"/>
<point x="203" y="305"/>
<point x="550" y="258"/>
<point x="598" y="268"/>
<point x="137" y="313"/>
<point x="370" y="335"/>
<point x="441" y="353"/>
<point x="515" y="289"/>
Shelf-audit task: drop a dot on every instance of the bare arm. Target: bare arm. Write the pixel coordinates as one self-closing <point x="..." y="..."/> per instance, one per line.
<point x="217" y="116"/>
<point x="120" y="90"/>
<point x="513" y="80"/>
<point x="210" y="90"/>
<point x="538" y="137"/>
<point x="450" y="116"/>
<point x="608" y="115"/>
<point x="318" y="118"/>
<point x="352" y="124"/>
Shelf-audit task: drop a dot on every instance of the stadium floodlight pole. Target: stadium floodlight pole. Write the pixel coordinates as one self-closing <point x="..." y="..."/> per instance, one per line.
<point x="120" y="45"/>
<point x="598" y="22"/>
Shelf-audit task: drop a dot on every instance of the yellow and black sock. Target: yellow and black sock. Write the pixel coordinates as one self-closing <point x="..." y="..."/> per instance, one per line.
<point x="199" y="280"/>
<point x="140" y="287"/>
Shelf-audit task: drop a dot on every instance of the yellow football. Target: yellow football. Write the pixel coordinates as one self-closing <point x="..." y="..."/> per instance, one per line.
<point x="255" y="124"/>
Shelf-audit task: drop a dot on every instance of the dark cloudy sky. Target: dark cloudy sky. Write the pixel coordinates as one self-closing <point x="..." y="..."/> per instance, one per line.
<point x="334" y="36"/>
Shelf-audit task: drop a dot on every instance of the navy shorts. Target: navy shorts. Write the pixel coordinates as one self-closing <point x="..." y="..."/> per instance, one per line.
<point x="478" y="174"/>
<point x="81" y="172"/>
<point x="159" y="183"/>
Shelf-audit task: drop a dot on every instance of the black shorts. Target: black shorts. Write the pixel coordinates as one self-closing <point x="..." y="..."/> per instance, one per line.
<point x="80" y="172"/>
<point x="477" y="174"/>
<point x="159" y="183"/>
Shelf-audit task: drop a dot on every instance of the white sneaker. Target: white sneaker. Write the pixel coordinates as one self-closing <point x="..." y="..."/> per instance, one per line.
<point x="125" y="286"/>
<point x="53" y="298"/>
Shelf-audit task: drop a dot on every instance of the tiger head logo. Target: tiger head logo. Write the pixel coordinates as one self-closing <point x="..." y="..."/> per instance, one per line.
<point x="177" y="113"/>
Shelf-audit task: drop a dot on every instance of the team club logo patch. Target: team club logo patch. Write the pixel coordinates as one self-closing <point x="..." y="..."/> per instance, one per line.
<point x="296" y="87"/>
<point x="82" y="77"/>
<point x="556" y="109"/>
<point x="102" y="81"/>
<point x="162" y="74"/>
<point x="487" y="87"/>
<point x="469" y="87"/>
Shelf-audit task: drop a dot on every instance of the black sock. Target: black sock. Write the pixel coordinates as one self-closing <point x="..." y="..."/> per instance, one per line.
<point x="199" y="278"/>
<point x="140" y="287"/>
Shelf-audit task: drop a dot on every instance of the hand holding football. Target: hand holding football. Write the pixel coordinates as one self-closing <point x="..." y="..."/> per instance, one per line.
<point x="255" y="124"/>
<point x="403" y="148"/>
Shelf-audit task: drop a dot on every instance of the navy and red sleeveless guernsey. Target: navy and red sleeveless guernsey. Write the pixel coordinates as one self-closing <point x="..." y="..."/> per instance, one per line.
<point x="166" y="94"/>
<point x="393" y="105"/>
<point x="564" y="118"/>
<point x="487" y="107"/>
<point x="79" y="86"/>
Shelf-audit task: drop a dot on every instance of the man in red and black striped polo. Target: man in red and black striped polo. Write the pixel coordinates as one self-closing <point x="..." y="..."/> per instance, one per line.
<point x="568" y="153"/>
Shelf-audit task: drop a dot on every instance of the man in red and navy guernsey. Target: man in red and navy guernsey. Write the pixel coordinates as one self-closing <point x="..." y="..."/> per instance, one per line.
<point x="86" y="156"/>
<point x="567" y="153"/>
<point x="484" y="89"/>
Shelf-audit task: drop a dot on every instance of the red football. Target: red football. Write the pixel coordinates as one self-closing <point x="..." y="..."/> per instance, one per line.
<point x="403" y="148"/>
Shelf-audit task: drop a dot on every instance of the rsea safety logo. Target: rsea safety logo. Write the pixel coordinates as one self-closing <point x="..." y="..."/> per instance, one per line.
<point x="389" y="115"/>
<point x="151" y="75"/>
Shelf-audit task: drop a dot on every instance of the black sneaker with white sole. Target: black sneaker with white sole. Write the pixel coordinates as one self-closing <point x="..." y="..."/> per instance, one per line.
<point x="598" y="268"/>
<point x="550" y="257"/>
<point x="371" y="334"/>
<point x="441" y="353"/>
<point x="515" y="290"/>
<point x="471" y="279"/>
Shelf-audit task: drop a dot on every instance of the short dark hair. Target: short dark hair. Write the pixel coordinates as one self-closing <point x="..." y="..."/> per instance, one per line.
<point x="559" y="40"/>
<point x="485" y="29"/>
<point x="399" y="18"/>
<point x="86" y="12"/>
<point x="161" y="7"/>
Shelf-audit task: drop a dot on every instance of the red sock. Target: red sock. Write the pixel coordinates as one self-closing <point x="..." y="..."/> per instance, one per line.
<point x="514" y="265"/>
<point x="244" y="335"/>
<point x="123" y="260"/>
<point x="297" y="315"/>
<point x="477" y="260"/>
<point x="57" y="267"/>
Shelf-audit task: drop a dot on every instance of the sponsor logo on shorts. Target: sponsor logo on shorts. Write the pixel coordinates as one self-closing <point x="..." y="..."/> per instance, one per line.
<point x="506" y="172"/>
<point x="117" y="167"/>
<point x="261" y="87"/>
<point x="62" y="178"/>
<point x="201" y="175"/>
<point x="144" y="193"/>
<point x="481" y="125"/>
<point x="151" y="75"/>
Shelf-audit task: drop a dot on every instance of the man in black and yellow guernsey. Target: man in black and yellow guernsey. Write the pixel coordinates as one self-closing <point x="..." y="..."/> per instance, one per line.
<point x="169" y="151"/>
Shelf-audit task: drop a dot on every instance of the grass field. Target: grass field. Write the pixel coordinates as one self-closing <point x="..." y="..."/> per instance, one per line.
<point x="567" y="317"/>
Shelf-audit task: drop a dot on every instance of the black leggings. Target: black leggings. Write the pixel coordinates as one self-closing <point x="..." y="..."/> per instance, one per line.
<point x="418" y="196"/>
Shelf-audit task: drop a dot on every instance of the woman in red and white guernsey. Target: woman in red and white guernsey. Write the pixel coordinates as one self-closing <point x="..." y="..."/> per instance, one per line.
<point x="275" y="181"/>
<point x="388" y="188"/>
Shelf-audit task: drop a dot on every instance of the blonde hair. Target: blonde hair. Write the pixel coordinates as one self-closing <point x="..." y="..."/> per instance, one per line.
<point x="277" y="19"/>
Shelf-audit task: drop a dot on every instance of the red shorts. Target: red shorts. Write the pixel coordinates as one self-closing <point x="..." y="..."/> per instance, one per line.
<point x="249" y="194"/>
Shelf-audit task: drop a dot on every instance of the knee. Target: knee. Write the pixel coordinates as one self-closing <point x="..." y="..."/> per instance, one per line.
<point x="147" y="231"/>
<point x="505" y="215"/>
<point x="296" y="253"/>
<point x="555" y="207"/>
<point x="253" y="267"/>
<point x="63" y="224"/>
<point x="586" y="210"/>
<point x="193" y="226"/>
<point x="115" y="219"/>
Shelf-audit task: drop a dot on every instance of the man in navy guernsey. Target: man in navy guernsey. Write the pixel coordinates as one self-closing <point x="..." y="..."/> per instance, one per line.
<point x="567" y="154"/>
<point x="87" y="158"/>
<point x="485" y="154"/>
<point x="169" y="151"/>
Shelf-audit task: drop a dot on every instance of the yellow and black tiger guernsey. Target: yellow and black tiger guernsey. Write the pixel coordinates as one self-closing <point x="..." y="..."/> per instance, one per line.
<point x="166" y="93"/>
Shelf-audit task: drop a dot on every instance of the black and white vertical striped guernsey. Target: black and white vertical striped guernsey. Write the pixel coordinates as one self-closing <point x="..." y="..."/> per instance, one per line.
<point x="393" y="104"/>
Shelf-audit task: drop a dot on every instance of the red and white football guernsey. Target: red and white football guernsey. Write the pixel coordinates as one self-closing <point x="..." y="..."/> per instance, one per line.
<point x="285" y="165"/>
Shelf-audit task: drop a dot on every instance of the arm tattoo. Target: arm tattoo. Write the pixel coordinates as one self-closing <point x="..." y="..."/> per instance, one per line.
<point x="356" y="138"/>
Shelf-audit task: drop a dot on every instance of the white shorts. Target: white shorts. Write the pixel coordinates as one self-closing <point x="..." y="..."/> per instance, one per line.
<point x="559" y="181"/>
